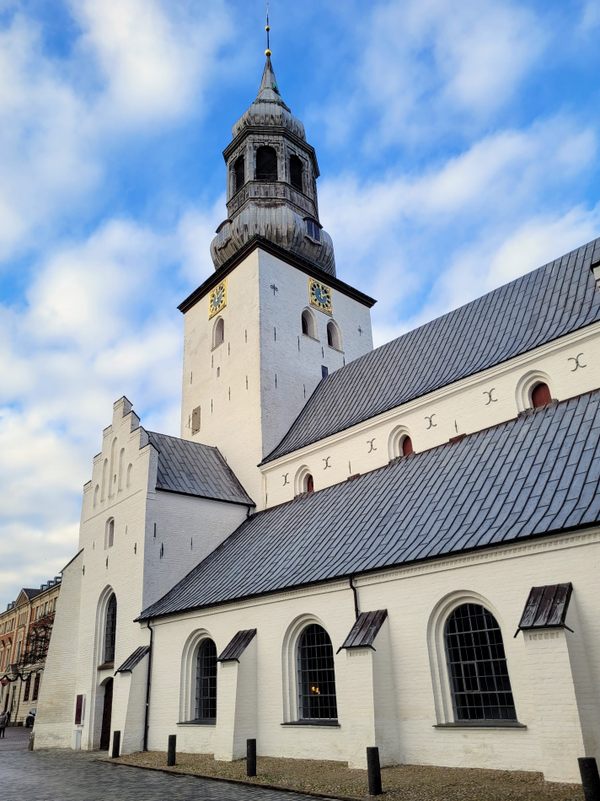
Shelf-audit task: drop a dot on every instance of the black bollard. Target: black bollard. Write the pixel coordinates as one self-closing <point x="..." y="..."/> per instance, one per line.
<point x="590" y="779"/>
<point x="250" y="757"/>
<point x="116" y="744"/>
<point x="171" y="750"/>
<point x="374" y="771"/>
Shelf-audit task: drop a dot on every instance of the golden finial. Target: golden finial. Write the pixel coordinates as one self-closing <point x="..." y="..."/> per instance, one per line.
<point x="268" y="30"/>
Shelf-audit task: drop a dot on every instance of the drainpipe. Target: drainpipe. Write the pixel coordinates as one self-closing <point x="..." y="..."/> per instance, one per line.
<point x="355" y="593"/>
<point x="148" y="686"/>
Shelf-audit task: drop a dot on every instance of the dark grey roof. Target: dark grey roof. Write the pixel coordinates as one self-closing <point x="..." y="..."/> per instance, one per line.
<point x="133" y="659"/>
<point x="537" y="308"/>
<point x="546" y="607"/>
<point x="365" y="629"/>
<point x="236" y="647"/>
<point x="533" y="475"/>
<point x="195" y="469"/>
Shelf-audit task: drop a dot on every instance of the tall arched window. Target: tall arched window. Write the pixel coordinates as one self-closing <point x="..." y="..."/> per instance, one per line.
<point x="110" y="629"/>
<point x="218" y="333"/>
<point x="296" y="169"/>
<point x="266" y="164"/>
<point x="309" y="326"/>
<point x="334" y="339"/>
<point x="316" y="675"/>
<point x="477" y="665"/>
<point x="540" y="395"/>
<point x="239" y="174"/>
<point x="206" y="681"/>
<point x="109" y="534"/>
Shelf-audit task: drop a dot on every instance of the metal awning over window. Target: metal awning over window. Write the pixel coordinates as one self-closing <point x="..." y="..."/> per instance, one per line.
<point x="134" y="659"/>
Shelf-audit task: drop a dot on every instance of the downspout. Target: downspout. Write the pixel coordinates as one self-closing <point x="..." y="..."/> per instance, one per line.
<point x="148" y="686"/>
<point x="355" y="593"/>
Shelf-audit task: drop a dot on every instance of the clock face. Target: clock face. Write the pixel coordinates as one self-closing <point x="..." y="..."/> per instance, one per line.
<point x="319" y="295"/>
<point x="217" y="299"/>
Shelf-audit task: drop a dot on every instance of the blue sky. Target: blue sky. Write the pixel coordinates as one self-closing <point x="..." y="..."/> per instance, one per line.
<point x="458" y="146"/>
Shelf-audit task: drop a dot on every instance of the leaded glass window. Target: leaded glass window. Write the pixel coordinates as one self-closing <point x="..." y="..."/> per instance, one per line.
<point x="477" y="666"/>
<point x="110" y="631"/>
<point x="206" y="681"/>
<point x="316" y="675"/>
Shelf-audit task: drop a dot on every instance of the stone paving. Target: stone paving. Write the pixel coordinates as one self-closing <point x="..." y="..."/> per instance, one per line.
<point x="80" y="776"/>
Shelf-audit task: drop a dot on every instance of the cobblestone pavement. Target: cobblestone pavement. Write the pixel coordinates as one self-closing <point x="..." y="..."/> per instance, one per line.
<point x="79" y="776"/>
<point x="15" y="738"/>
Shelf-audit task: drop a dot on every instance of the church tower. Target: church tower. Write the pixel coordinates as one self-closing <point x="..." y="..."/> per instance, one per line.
<point x="274" y="320"/>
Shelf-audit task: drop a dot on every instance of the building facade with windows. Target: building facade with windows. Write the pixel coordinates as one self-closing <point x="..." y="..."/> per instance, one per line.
<point x="25" y="630"/>
<point x="346" y="546"/>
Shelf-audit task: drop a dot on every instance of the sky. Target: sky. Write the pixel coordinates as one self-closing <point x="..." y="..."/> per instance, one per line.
<point x="458" y="148"/>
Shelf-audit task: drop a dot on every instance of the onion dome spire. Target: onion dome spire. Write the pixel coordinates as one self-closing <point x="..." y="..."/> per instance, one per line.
<point x="271" y="184"/>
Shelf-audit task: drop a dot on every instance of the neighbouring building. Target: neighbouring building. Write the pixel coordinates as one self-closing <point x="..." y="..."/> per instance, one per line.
<point x="25" y="630"/>
<point x="346" y="546"/>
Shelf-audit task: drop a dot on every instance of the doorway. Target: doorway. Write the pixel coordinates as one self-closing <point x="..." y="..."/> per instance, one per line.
<point x="106" y="716"/>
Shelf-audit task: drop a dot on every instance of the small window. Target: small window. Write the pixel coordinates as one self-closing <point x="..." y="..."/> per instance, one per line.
<point x="540" y="395"/>
<point x="313" y="229"/>
<point x="266" y="164"/>
<point x="477" y="666"/>
<point x="316" y="675"/>
<point x="309" y="483"/>
<point x="110" y="629"/>
<point x="36" y="686"/>
<point x="308" y="324"/>
<point x="239" y="174"/>
<point x="109" y="539"/>
<point x="218" y="333"/>
<point x="296" y="169"/>
<point x="407" y="446"/>
<point x="27" y="688"/>
<point x="196" y="419"/>
<point x="206" y="681"/>
<point x="334" y="339"/>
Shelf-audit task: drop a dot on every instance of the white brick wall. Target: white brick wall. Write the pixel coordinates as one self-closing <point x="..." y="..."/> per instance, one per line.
<point x="398" y="675"/>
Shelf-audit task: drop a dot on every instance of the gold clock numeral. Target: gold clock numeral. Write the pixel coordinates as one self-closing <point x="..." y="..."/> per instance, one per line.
<point x="217" y="299"/>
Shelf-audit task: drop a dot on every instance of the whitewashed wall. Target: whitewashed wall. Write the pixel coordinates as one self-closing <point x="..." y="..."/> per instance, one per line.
<point x="460" y="408"/>
<point x="393" y="697"/>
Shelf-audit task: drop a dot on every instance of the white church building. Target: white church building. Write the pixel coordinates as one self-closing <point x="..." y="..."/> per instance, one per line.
<point x="347" y="547"/>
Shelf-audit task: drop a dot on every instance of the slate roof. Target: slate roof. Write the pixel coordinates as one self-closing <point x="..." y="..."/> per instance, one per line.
<point x="534" y="475"/>
<point x="191" y="468"/>
<point x="513" y="319"/>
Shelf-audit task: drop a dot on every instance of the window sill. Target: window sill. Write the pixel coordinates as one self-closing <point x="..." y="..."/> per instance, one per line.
<point x="333" y="347"/>
<point x="106" y="666"/>
<point x="332" y="724"/>
<point x="211" y="722"/>
<point x="216" y="347"/>
<point x="313" y="240"/>
<point x="309" y="336"/>
<point x="482" y="724"/>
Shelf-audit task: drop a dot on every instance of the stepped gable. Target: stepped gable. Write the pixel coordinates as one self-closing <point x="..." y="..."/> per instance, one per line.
<point x="191" y="468"/>
<point x="537" y="308"/>
<point x="535" y="475"/>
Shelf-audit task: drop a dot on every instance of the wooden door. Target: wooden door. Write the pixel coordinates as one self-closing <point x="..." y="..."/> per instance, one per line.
<point x="106" y="716"/>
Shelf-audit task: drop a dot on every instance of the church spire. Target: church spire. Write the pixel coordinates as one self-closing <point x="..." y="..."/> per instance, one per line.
<point x="271" y="185"/>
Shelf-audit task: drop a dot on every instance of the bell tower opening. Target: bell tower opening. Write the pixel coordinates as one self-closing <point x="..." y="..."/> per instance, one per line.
<point x="266" y="164"/>
<point x="296" y="170"/>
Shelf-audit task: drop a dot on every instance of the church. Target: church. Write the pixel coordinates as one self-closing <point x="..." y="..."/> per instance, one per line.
<point x="346" y="547"/>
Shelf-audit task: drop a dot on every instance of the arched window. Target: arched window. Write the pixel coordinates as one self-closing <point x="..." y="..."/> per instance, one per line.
<point x="477" y="666"/>
<point x="334" y="339"/>
<point x="309" y="484"/>
<point x="109" y="533"/>
<point x="206" y="681"/>
<point x="400" y="443"/>
<point x="316" y="675"/>
<point x="309" y="326"/>
<point x="110" y="629"/>
<point x="218" y="333"/>
<point x="266" y="164"/>
<point x="540" y="395"/>
<point x="239" y="174"/>
<point x="296" y="169"/>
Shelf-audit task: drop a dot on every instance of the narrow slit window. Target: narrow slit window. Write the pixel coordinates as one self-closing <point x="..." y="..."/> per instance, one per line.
<point x="296" y="170"/>
<point x="266" y="164"/>
<point x="110" y="629"/>
<point x="239" y="174"/>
